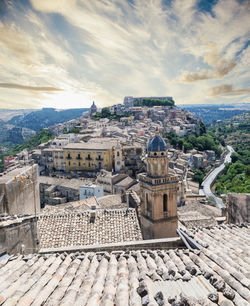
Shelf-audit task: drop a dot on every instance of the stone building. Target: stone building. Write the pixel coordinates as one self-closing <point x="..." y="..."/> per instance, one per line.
<point x="238" y="207"/>
<point x="93" y="109"/>
<point x="88" y="156"/>
<point x="19" y="191"/>
<point x="90" y="190"/>
<point x="18" y="234"/>
<point x="158" y="194"/>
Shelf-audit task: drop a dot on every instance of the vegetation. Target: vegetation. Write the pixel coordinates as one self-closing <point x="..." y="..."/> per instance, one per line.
<point x="105" y="113"/>
<point x="74" y="130"/>
<point x="41" y="136"/>
<point x="199" y="175"/>
<point x="236" y="175"/>
<point x="236" y="178"/>
<point x="153" y="102"/>
<point x="207" y="141"/>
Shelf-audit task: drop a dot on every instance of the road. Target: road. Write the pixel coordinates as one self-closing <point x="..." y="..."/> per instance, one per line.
<point x="211" y="177"/>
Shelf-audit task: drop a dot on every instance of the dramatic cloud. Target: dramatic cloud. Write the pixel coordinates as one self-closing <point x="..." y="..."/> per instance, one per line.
<point x="104" y="50"/>
<point x="35" y="88"/>
<point x="227" y="90"/>
<point x="220" y="68"/>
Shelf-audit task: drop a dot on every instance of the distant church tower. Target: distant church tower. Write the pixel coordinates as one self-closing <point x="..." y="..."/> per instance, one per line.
<point x="158" y="194"/>
<point x="93" y="109"/>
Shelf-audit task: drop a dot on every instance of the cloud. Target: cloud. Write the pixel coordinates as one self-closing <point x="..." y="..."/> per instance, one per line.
<point x="220" y="68"/>
<point x="227" y="90"/>
<point x="190" y="77"/>
<point x="107" y="49"/>
<point x="35" y="88"/>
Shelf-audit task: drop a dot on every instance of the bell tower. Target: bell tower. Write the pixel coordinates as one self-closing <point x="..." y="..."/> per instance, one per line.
<point x="158" y="193"/>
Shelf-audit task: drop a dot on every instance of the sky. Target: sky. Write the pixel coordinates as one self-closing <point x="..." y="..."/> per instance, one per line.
<point x="67" y="53"/>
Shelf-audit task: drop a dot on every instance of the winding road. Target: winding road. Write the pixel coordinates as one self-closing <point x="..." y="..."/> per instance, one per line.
<point x="211" y="177"/>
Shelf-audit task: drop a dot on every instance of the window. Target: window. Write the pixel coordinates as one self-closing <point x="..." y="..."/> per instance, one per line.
<point x="78" y="155"/>
<point x="165" y="203"/>
<point x="89" y="164"/>
<point x="69" y="163"/>
<point x="79" y="164"/>
<point x="88" y="156"/>
<point x="118" y="154"/>
<point x="148" y="204"/>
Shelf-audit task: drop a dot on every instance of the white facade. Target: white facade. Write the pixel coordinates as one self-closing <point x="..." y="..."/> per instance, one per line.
<point x="90" y="190"/>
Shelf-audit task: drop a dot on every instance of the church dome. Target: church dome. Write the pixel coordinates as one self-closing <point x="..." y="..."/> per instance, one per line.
<point x="157" y="144"/>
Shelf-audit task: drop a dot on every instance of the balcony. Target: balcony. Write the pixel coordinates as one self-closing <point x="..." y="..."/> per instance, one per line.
<point x="69" y="157"/>
<point x="78" y="157"/>
<point x="88" y="158"/>
<point x="99" y="158"/>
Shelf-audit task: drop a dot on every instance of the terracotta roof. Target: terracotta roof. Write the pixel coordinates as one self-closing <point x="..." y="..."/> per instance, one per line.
<point x="88" y="227"/>
<point x="141" y="277"/>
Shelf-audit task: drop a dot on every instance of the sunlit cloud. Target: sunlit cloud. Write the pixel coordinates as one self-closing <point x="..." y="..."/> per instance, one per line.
<point x="227" y="90"/>
<point x="104" y="50"/>
<point x="23" y="87"/>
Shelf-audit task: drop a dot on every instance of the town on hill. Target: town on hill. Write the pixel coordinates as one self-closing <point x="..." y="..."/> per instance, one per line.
<point x="119" y="193"/>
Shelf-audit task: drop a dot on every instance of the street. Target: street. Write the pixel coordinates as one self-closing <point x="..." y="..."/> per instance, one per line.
<point x="211" y="177"/>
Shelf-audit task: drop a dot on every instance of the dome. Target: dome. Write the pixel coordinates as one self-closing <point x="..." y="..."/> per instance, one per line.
<point x="157" y="144"/>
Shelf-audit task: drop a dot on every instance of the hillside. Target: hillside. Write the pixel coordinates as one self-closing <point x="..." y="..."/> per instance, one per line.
<point x="25" y="123"/>
<point x="45" y="117"/>
<point x="236" y="175"/>
<point x="212" y="113"/>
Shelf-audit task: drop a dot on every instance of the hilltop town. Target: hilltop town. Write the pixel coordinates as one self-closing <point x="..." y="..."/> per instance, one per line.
<point x="120" y="188"/>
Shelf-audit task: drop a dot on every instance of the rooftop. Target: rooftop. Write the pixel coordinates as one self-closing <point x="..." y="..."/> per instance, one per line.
<point x="218" y="274"/>
<point x="157" y="144"/>
<point x="88" y="227"/>
<point x="89" y="146"/>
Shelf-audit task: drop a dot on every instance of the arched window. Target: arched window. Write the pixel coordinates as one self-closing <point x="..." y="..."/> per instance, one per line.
<point x="148" y="205"/>
<point x="165" y="203"/>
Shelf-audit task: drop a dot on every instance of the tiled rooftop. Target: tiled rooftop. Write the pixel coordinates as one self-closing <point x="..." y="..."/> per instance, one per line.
<point x="142" y="277"/>
<point x="88" y="228"/>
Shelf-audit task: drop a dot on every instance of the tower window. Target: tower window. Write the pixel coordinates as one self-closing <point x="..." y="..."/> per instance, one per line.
<point x="165" y="203"/>
<point x="148" y="205"/>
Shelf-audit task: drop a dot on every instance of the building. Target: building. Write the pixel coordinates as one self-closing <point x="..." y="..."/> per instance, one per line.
<point x="93" y="109"/>
<point x="18" y="234"/>
<point x="158" y="194"/>
<point x="89" y="190"/>
<point x="109" y="179"/>
<point x="238" y="207"/>
<point x="88" y="227"/>
<point x="88" y="156"/>
<point x="134" y="272"/>
<point x="19" y="191"/>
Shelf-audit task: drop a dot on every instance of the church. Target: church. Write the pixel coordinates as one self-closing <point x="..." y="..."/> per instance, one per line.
<point x="158" y="193"/>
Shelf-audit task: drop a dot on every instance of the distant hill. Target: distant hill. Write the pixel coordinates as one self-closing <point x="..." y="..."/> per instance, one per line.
<point x="211" y="113"/>
<point x="7" y="114"/>
<point x="45" y="117"/>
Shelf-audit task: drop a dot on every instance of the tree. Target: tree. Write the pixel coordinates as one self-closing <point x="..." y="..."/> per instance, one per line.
<point x="105" y="112"/>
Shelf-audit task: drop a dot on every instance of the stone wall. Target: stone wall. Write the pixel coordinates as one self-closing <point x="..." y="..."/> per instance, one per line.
<point x="155" y="244"/>
<point x="19" y="191"/>
<point x="19" y="235"/>
<point x="238" y="207"/>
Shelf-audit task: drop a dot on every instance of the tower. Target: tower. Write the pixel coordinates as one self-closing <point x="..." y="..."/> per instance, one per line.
<point x="93" y="109"/>
<point x="158" y="193"/>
